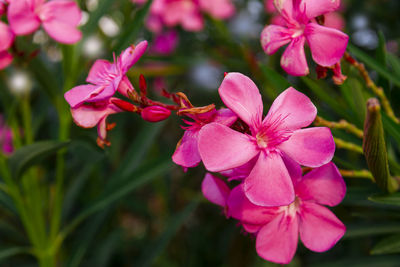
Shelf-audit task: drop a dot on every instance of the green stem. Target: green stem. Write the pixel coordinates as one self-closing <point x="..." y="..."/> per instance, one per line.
<point x="347" y="145"/>
<point x="27" y="120"/>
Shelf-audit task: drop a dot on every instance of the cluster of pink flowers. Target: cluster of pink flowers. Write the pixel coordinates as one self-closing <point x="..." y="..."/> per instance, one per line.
<point x="295" y="25"/>
<point x="59" y="19"/>
<point x="273" y="201"/>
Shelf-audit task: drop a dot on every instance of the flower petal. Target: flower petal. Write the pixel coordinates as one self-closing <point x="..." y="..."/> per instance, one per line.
<point x="293" y="109"/>
<point x="240" y="208"/>
<point x="99" y="71"/>
<point x="222" y="148"/>
<point x="62" y="32"/>
<point x="293" y="60"/>
<point x="269" y="183"/>
<point x="273" y="37"/>
<point x="310" y="147"/>
<point x="5" y="59"/>
<point x="79" y="94"/>
<point x="22" y="17"/>
<point x="225" y="116"/>
<point x="187" y="153"/>
<point x="323" y="185"/>
<point x="327" y="44"/>
<point x="241" y="95"/>
<point x="131" y="55"/>
<point x="315" y="8"/>
<point x="277" y="240"/>
<point x="215" y="190"/>
<point x="319" y="229"/>
<point x="6" y="36"/>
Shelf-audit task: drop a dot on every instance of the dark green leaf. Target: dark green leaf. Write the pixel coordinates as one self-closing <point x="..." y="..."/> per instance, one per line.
<point x="374" y="64"/>
<point x="29" y="155"/>
<point x="10" y="252"/>
<point x="360" y="230"/>
<point x="388" y="245"/>
<point x="392" y="199"/>
<point x="277" y="81"/>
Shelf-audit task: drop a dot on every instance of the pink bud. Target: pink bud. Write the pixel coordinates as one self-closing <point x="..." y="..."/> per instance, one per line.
<point x="155" y="113"/>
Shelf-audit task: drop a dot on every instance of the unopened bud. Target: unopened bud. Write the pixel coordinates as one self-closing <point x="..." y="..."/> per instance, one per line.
<point x="124" y="105"/>
<point x="155" y="113"/>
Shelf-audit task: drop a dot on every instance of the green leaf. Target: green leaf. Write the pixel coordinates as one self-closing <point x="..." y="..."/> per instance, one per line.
<point x="392" y="199"/>
<point x="325" y="96"/>
<point x="394" y="62"/>
<point x="374" y="145"/>
<point x="29" y="155"/>
<point x="13" y="251"/>
<point x="373" y="64"/>
<point x="46" y="78"/>
<point x="360" y="230"/>
<point x="371" y="261"/>
<point x="130" y="33"/>
<point x="388" y="245"/>
<point x="155" y="249"/>
<point x="392" y="128"/>
<point x="277" y="81"/>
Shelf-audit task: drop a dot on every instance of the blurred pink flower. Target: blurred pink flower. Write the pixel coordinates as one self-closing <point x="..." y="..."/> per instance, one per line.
<point x="6" y="40"/>
<point x="165" y="43"/>
<point x="105" y="77"/>
<point x="187" y="153"/>
<point x="6" y="137"/>
<point x="327" y="44"/>
<point x="59" y="18"/>
<point x="277" y="229"/>
<point x="5" y="59"/>
<point x="270" y="140"/>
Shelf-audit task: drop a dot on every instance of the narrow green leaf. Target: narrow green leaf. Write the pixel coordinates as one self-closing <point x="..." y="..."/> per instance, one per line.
<point x="394" y="62"/>
<point x="371" y="261"/>
<point x="374" y="145"/>
<point x="373" y="64"/>
<point x="352" y="92"/>
<point x="176" y="222"/>
<point x="360" y="230"/>
<point x="277" y="81"/>
<point x="13" y="251"/>
<point x="129" y="35"/>
<point x="29" y="155"/>
<point x="45" y="77"/>
<point x="392" y="199"/>
<point x="392" y="128"/>
<point x="388" y="245"/>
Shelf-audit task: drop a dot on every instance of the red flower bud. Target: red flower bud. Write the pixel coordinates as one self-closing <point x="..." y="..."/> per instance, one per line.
<point x="155" y="113"/>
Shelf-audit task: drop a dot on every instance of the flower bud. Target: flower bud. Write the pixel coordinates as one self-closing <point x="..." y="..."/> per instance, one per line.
<point x="155" y="113"/>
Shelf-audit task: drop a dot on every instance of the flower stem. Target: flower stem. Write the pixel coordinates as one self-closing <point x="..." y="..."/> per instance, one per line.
<point x="347" y="145"/>
<point x="342" y="124"/>
<point x="377" y="90"/>
<point x="357" y="174"/>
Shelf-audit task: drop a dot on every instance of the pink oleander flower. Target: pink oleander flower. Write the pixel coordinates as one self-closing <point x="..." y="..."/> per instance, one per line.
<point x="186" y="13"/>
<point x="270" y="141"/>
<point x="187" y="153"/>
<point x="277" y="229"/>
<point x="105" y="78"/>
<point x="59" y="18"/>
<point x="2" y="7"/>
<point x="6" y="138"/>
<point x="5" y="59"/>
<point x="327" y="45"/>
<point x="6" y="40"/>
<point x="165" y="43"/>
<point x="155" y="113"/>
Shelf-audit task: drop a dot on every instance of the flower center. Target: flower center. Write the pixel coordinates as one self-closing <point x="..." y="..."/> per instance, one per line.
<point x="292" y="209"/>
<point x="262" y="140"/>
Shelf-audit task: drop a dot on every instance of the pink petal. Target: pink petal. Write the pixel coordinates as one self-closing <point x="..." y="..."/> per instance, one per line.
<point x="310" y="147"/>
<point x="273" y="37"/>
<point x="293" y="109"/>
<point x="240" y="208"/>
<point x="6" y="36"/>
<point x="221" y="9"/>
<point x="186" y="153"/>
<point x="193" y="22"/>
<point x="240" y="172"/>
<point x="251" y="228"/>
<point x="323" y="185"/>
<point x="293" y="60"/>
<point x="327" y="44"/>
<point x="60" y="20"/>
<point x="62" y="32"/>
<point x="222" y="148"/>
<point x="88" y="93"/>
<point x="165" y="43"/>
<point x="131" y="55"/>
<point x="5" y="59"/>
<point x="215" y="190"/>
<point x="225" y="116"/>
<point x="294" y="169"/>
<point x="125" y="86"/>
<point x="320" y="229"/>
<point x="99" y="71"/>
<point x="286" y="9"/>
<point x="87" y="116"/>
<point x="22" y="17"/>
<point x="241" y="95"/>
<point x="269" y="183"/>
<point x="315" y="8"/>
<point x="277" y="240"/>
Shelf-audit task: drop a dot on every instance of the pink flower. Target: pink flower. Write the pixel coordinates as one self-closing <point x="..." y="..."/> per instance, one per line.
<point x="187" y="153"/>
<point x="155" y="113"/>
<point x="105" y="77"/>
<point x="215" y="190"/>
<point x="221" y="9"/>
<point x="165" y="43"/>
<point x="270" y="141"/>
<point x="6" y="138"/>
<point x="327" y="45"/>
<point x="60" y="18"/>
<point x="6" y="40"/>
<point x="92" y="114"/>
<point x="5" y="59"/>
<point x="277" y="229"/>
